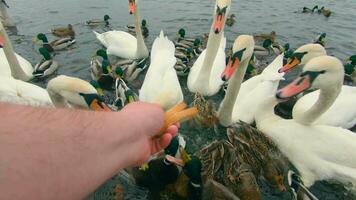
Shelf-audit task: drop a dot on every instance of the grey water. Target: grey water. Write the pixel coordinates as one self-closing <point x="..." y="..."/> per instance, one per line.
<point x="253" y="16"/>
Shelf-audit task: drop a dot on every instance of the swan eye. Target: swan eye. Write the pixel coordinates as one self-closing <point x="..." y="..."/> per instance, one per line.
<point x="312" y="74"/>
<point x="299" y="55"/>
<point x="238" y="54"/>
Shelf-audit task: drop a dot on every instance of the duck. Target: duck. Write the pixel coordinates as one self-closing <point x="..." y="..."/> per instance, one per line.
<point x="268" y="48"/>
<point x="262" y="36"/>
<point x="108" y="77"/>
<point x="308" y="145"/>
<point x="145" y="31"/>
<point x="55" y="45"/>
<point x="98" y="88"/>
<point x="299" y="190"/>
<point x="134" y="69"/>
<point x="160" y="172"/>
<point x="343" y="104"/>
<point x="204" y="76"/>
<point x="324" y="11"/>
<point x="321" y="39"/>
<point x="161" y="84"/>
<point x="124" y="94"/>
<point x="4" y="16"/>
<point x="237" y="104"/>
<point x="71" y="92"/>
<point x="97" y="62"/>
<point x="123" y="44"/>
<point x="181" y="36"/>
<point x="64" y="31"/>
<point x="308" y="10"/>
<point x="20" y="68"/>
<point x="46" y="66"/>
<point x="230" y="20"/>
<point x="350" y="65"/>
<point x="95" y="22"/>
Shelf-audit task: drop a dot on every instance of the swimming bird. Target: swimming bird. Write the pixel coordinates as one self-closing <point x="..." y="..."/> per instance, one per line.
<point x="268" y="48"/>
<point x="343" y="104"/>
<point x="320" y="39"/>
<point x="204" y="76"/>
<point x="96" y="22"/>
<point x="63" y="31"/>
<point x="55" y="45"/>
<point x="145" y="31"/>
<point x="97" y="62"/>
<point x="46" y="66"/>
<point x="72" y="92"/>
<point x="324" y="11"/>
<point x="319" y="152"/>
<point x="230" y="20"/>
<point x="263" y="36"/>
<point x="161" y="84"/>
<point x="4" y="16"/>
<point x="308" y="10"/>
<point x="12" y="65"/>
<point x="122" y="44"/>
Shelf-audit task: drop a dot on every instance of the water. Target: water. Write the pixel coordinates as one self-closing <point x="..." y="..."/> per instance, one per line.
<point x="253" y="16"/>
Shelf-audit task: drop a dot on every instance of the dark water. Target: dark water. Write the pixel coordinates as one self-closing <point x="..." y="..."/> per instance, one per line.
<point x="253" y="16"/>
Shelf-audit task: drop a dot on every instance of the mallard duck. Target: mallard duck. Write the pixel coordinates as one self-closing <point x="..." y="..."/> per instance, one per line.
<point x="263" y="36"/>
<point x="95" y="22"/>
<point x="230" y="20"/>
<point x="124" y="95"/>
<point x="350" y="66"/>
<point x="324" y="11"/>
<point x="181" y="36"/>
<point x="160" y="171"/>
<point x="55" y="45"/>
<point x="134" y="69"/>
<point x="4" y="16"/>
<point x="72" y="92"/>
<point x="12" y="65"/>
<point x="64" y="31"/>
<point x="145" y="31"/>
<point x="108" y="77"/>
<point x="320" y="39"/>
<point x="268" y="48"/>
<point x="96" y="85"/>
<point x="46" y="66"/>
<point x="308" y="10"/>
<point x="298" y="188"/>
<point x="96" y="63"/>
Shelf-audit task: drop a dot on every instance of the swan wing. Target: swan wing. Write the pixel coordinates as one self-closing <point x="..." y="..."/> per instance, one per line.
<point x="5" y="67"/>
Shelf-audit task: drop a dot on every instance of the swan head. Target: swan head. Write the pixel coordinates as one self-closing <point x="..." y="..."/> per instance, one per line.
<point x="242" y="51"/>
<point x="303" y="55"/>
<point x="323" y="72"/>
<point x="222" y="10"/>
<point x="132" y="6"/>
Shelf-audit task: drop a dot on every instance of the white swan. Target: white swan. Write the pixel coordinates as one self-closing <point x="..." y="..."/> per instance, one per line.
<point x="343" y="112"/>
<point x="240" y="104"/>
<point x="4" y="16"/>
<point x="72" y="92"/>
<point x="204" y="76"/>
<point x="21" y="68"/>
<point x="319" y="152"/>
<point x="161" y="84"/>
<point x="123" y="44"/>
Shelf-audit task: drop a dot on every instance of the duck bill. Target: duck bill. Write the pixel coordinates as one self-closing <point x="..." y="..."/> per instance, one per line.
<point x="184" y="154"/>
<point x="131" y="99"/>
<point x="290" y="65"/>
<point x="176" y="161"/>
<point x="230" y="69"/>
<point x="96" y="105"/>
<point x="219" y="23"/>
<point x="296" y="87"/>
<point x="132" y="7"/>
<point x="100" y="92"/>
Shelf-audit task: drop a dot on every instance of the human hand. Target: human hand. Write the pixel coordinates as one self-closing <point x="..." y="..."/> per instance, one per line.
<point x="147" y="121"/>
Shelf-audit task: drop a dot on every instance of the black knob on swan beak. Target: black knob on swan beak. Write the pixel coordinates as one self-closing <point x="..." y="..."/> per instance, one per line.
<point x="217" y="31"/>
<point x="224" y="78"/>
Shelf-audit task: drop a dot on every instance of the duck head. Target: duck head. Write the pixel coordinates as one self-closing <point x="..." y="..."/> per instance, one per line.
<point x="323" y="72"/>
<point x="352" y="59"/>
<point x="143" y="23"/>
<point x="106" y="67"/>
<point x="119" y="72"/>
<point x="303" y="55"/>
<point x="106" y="17"/>
<point x="42" y="37"/>
<point x="130" y="96"/>
<point x="242" y="51"/>
<point x="102" y="53"/>
<point x="181" y="33"/>
<point x="220" y="15"/>
<point x="132" y="6"/>
<point x="96" y="85"/>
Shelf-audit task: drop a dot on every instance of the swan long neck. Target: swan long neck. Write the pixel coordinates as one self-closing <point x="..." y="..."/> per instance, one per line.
<point x="16" y="70"/>
<point x="326" y="99"/>
<point x="227" y="105"/>
<point x="212" y="49"/>
<point x="142" y="51"/>
<point x="265" y="110"/>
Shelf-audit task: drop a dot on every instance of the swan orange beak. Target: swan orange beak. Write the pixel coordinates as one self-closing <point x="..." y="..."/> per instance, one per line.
<point x="230" y="69"/>
<point x="96" y="105"/>
<point x="291" y="63"/>
<point x="297" y="86"/>
<point x="2" y="41"/>
<point x="132" y="7"/>
<point x="219" y="23"/>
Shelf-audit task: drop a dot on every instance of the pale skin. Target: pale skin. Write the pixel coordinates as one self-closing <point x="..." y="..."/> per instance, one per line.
<point x="66" y="154"/>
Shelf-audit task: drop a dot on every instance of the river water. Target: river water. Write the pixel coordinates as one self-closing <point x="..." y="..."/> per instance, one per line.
<point x="253" y="16"/>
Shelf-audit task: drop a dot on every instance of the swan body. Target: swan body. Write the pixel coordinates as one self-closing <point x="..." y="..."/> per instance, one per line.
<point x="319" y="152"/>
<point x="123" y="44"/>
<point x="204" y="77"/>
<point x="161" y="84"/>
<point x="5" y="70"/>
<point x="343" y="112"/>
